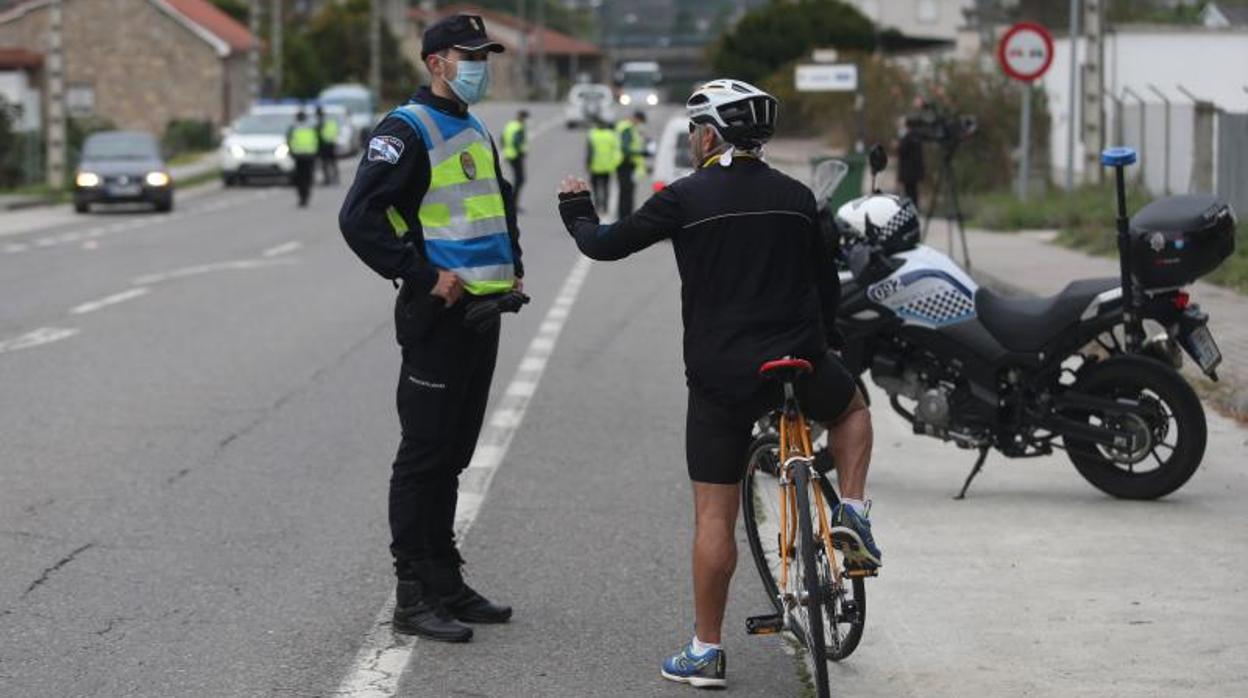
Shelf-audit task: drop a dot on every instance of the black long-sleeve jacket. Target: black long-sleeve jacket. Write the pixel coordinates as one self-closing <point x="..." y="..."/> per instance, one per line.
<point x="756" y="275"/>
<point x="394" y="176"/>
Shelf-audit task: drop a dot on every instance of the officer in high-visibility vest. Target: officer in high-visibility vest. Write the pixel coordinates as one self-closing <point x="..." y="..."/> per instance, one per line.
<point x="515" y="147"/>
<point x="602" y="157"/>
<point x="430" y="208"/>
<point x="632" y="159"/>
<point x="327" y="128"/>
<point x="304" y="144"/>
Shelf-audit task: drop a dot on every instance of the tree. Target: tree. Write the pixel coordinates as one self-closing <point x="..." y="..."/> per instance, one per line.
<point x="333" y="47"/>
<point x="776" y="35"/>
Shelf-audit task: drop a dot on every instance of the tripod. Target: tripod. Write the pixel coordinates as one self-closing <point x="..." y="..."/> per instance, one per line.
<point x="947" y="185"/>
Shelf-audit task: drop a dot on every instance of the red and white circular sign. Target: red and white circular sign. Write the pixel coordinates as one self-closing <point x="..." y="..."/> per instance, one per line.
<point x="1026" y="51"/>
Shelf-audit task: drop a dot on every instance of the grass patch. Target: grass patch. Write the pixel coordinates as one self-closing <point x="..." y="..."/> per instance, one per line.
<point x="196" y="180"/>
<point x="187" y="158"/>
<point x="1085" y="221"/>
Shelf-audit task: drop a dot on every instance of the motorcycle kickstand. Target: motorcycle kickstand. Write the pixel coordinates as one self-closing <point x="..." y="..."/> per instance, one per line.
<point x="979" y="465"/>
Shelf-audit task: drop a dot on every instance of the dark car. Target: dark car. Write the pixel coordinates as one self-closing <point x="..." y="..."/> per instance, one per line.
<point x="122" y="167"/>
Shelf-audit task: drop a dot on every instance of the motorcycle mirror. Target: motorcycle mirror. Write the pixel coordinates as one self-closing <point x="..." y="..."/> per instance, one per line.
<point x="877" y="158"/>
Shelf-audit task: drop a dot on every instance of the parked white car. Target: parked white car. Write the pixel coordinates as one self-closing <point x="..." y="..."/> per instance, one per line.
<point x="586" y="101"/>
<point x="255" y="147"/>
<point x="671" y="158"/>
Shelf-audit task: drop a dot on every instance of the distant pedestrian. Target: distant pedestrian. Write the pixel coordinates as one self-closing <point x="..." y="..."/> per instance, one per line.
<point x="910" y="170"/>
<point x="602" y="157"/>
<point x="304" y="144"/>
<point x="515" y="147"/>
<point x="327" y="130"/>
<point x="632" y="159"/>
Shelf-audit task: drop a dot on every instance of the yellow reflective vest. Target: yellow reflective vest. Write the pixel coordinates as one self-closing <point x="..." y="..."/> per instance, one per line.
<point x="329" y="131"/>
<point x="303" y="140"/>
<point x="462" y="214"/>
<point x="512" y="149"/>
<point x="605" y="153"/>
<point x="636" y="145"/>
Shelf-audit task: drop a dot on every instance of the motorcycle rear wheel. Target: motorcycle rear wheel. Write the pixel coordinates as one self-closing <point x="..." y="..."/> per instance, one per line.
<point x="1177" y="431"/>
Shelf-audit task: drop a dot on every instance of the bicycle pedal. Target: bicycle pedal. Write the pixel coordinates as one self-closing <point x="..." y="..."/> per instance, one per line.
<point x="862" y="572"/>
<point x="764" y="625"/>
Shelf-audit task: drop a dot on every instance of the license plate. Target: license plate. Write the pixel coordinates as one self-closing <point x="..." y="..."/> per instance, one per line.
<point x="125" y="190"/>
<point x="1204" y="349"/>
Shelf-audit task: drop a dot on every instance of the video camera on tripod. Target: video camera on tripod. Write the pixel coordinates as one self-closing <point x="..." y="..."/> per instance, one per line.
<point x="933" y="125"/>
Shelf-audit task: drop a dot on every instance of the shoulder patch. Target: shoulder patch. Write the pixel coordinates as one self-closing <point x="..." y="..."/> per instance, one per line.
<point x="386" y="149"/>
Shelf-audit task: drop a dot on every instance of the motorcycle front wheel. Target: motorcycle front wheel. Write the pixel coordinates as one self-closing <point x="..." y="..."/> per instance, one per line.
<point x="1170" y="439"/>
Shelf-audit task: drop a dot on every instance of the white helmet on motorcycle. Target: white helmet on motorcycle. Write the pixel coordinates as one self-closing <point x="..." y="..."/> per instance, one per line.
<point x="888" y="220"/>
<point x="744" y="115"/>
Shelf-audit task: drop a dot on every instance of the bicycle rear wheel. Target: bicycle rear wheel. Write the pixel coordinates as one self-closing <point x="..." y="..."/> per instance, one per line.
<point x="811" y="584"/>
<point x="845" y="604"/>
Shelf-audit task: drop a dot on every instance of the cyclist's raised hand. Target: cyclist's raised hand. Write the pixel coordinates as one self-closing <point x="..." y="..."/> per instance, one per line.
<point x="573" y="185"/>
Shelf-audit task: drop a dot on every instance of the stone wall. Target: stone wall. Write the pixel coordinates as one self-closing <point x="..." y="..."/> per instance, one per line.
<point x="144" y="67"/>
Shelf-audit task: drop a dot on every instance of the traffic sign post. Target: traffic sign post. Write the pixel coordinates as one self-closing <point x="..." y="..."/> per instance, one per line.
<point x="1025" y="54"/>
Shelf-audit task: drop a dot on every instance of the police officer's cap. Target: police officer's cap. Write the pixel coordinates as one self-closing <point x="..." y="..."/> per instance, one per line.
<point x="464" y="32"/>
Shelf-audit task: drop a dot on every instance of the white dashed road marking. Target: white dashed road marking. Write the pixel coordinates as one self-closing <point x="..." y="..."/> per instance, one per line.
<point x="284" y="248"/>
<point x="114" y="299"/>
<point x="34" y="338"/>
<point x="384" y="655"/>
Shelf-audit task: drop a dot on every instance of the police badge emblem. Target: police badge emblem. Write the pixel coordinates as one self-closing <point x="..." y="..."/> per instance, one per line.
<point x="1157" y="242"/>
<point x="468" y="164"/>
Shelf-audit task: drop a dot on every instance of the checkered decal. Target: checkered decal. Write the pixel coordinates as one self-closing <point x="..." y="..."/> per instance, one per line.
<point x="944" y="308"/>
<point x="905" y="217"/>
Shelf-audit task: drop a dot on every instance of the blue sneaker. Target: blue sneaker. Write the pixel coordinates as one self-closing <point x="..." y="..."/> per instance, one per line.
<point x="706" y="671"/>
<point x="851" y="533"/>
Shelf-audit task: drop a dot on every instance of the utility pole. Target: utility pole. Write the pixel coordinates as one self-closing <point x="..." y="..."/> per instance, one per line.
<point x="276" y="36"/>
<point x="253" y="55"/>
<point x="56" y="98"/>
<point x="1070" y="95"/>
<point x="526" y="91"/>
<point x="1093" y="89"/>
<point x="544" y="88"/>
<point x="375" y="49"/>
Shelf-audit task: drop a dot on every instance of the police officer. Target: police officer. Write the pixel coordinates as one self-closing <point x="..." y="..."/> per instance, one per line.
<point x="515" y="147"/>
<point x="632" y="159"/>
<point x="429" y="207"/>
<point x="304" y="143"/>
<point x="327" y="129"/>
<point x="602" y="157"/>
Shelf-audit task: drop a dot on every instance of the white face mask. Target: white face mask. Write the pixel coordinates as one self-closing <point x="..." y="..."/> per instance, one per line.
<point x="472" y="80"/>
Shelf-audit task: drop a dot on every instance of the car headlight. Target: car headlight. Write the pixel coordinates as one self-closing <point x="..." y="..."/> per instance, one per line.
<point x="237" y="151"/>
<point x="626" y="100"/>
<point x="652" y="99"/>
<point x="87" y="179"/>
<point x="282" y="150"/>
<point x="157" y="179"/>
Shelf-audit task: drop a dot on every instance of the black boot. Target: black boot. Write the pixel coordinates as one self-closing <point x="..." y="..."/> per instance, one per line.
<point x="419" y="612"/>
<point x="462" y="601"/>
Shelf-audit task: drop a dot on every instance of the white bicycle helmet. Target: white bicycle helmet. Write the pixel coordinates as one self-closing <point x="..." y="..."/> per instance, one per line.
<point x="744" y="115"/>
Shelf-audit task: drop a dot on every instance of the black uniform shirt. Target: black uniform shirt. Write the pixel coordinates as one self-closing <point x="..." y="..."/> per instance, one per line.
<point x="756" y="275"/>
<point x="400" y="181"/>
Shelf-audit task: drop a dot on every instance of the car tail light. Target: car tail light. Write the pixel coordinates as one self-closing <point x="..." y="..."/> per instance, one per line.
<point x="659" y="186"/>
<point x="1182" y="299"/>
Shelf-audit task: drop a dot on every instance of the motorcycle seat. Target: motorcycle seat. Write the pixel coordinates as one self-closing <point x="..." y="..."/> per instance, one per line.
<point x="1027" y="324"/>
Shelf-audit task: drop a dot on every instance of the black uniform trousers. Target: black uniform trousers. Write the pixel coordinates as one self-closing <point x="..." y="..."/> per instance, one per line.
<point x="305" y="168"/>
<point x="442" y="394"/>
<point x="328" y="156"/>
<point x="517" y="177"/>
<point x="624" y="174"/>
<point x="601" y="187"/>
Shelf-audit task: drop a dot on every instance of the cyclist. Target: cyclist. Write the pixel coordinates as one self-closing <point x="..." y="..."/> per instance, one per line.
<point x="757" y="283"/>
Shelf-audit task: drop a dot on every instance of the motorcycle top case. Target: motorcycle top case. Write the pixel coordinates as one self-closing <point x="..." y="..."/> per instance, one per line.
<point x="1178" y="239"/>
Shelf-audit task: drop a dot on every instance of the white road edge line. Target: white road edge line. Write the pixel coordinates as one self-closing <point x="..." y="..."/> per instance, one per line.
<point x="284" y="248"/>
<point x="384" y="656"/>
<point x="92" y="306"/>
<point x="34" y="338"/>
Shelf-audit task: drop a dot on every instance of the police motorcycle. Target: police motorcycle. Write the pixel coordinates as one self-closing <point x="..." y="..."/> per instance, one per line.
<point x="1075" y="372"/>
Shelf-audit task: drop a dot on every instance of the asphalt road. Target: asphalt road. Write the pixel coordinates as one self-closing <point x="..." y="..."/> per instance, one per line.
<point x="197" y="424"/>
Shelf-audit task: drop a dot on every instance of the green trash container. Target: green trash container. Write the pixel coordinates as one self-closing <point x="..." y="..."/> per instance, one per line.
<point x="835" y="193"/>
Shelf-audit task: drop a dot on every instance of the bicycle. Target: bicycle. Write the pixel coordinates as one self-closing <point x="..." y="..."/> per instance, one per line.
<point x="817" y="597"/>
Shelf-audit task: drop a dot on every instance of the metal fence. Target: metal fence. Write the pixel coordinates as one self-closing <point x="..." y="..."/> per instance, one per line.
<point x="1184" y="147"/>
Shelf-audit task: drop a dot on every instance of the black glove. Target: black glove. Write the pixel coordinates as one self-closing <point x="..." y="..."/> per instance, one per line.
<point x="577" y="206"/>
<point x="483" y="315"/>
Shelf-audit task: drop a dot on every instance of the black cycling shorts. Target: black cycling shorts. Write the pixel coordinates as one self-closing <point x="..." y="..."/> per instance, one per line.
<point x="717" y="436"/>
